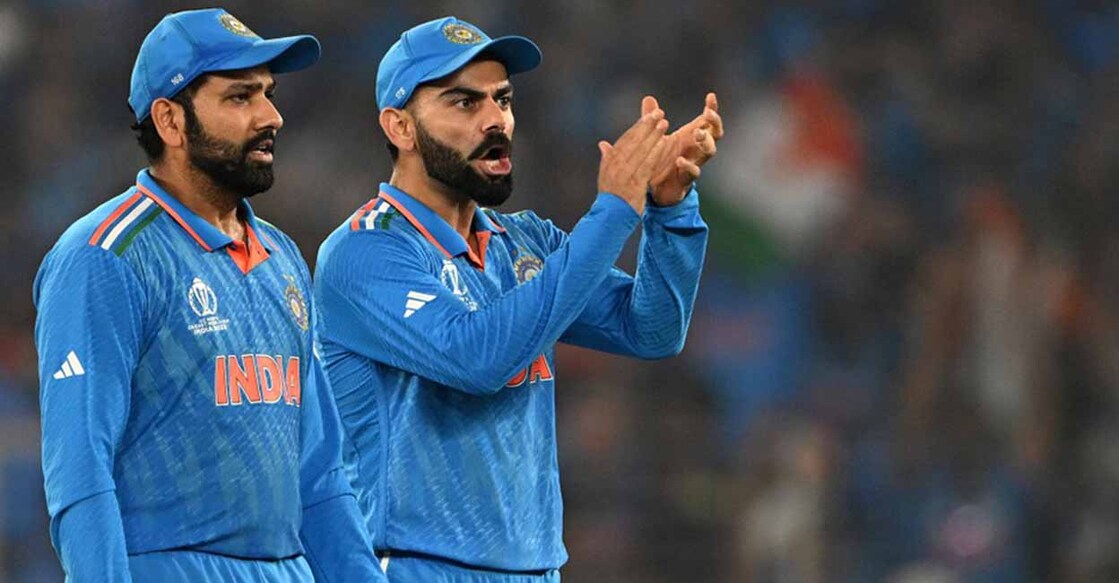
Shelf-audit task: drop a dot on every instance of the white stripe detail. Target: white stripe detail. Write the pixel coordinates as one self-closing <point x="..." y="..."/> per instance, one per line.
<point x="416" y="300"/>
<point x="72" y="359"/>
<point x="71" y="367"/>
<point x="385" y="563"/>
<point x="378" y="211"/>
<point x="127" y="220"/>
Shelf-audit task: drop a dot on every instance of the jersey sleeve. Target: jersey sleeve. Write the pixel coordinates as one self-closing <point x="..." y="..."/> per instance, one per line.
<point x="647" y="315"/>
<point x="88" y="333"/>
<point x="332" y="533"/>
<point x="380" y="299"/>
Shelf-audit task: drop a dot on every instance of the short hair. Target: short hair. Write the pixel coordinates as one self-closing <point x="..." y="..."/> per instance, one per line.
<point x="146" y="134"/>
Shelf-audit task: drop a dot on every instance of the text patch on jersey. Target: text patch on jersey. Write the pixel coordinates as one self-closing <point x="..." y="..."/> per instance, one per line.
<point x="255" y="379"/>
<point x="538" y="371"/>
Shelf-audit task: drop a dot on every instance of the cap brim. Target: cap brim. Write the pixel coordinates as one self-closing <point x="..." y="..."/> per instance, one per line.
<point x="282" y="55"/>
<point x="517" y="53"/>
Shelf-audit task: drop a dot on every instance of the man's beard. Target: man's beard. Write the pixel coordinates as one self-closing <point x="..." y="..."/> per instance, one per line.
<point x="226" y="163"/>
<point x="448" y="166"/>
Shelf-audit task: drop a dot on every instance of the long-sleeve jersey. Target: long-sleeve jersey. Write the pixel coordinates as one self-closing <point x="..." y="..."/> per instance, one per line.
<point x="183" y="406"/>
<point x="441" y="359"/>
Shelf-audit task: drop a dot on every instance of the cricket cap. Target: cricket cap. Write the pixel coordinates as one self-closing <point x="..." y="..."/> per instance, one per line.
<point x="187" y="44"/>
<point x="440" y="47"/>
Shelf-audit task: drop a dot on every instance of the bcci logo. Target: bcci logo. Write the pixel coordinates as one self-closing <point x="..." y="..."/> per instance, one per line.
<point x="294" y="298"/>
<point x="461" y="34"/>
<point x="527" y="267"/>
<point x="452" y="280"/>
<point x="235" y="26"/>
<point x="202" y="299"/>
<point x="204" y="303"/>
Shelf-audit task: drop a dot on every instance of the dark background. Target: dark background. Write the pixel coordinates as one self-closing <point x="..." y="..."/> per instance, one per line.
<point x="904" y="361"/>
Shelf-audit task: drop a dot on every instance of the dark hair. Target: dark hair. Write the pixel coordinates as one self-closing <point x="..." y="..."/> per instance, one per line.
<point x="148" y="137"/>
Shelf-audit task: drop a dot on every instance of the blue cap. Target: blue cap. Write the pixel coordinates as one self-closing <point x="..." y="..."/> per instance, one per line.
<point x="187" y="44"/>
<point x="440" y="47"/>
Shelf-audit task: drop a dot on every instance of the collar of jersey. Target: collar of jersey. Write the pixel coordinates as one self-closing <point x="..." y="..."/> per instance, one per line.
<point x="431" y="225"/>
<point x="203" y="233"/>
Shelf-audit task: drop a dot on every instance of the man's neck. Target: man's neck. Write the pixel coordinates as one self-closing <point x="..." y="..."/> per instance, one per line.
<point x="455" y="208"/>
<point x="197" y="192"/>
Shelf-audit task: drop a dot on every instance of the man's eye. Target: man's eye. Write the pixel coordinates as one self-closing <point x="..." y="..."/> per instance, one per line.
<point x="505" y="101"/>
<point x="240" y="98"/>
<point x="465" y="103"/>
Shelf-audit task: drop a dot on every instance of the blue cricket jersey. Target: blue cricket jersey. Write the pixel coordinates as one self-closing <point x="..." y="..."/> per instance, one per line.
<point x="441" y="360"/>
<point x="178" y="374"/>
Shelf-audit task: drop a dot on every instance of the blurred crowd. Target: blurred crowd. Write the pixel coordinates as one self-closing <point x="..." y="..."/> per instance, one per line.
<point x="904" y="361"/>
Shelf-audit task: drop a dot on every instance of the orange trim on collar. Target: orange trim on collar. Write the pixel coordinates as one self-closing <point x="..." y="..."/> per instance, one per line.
<point x="415" y="223"/>
<point x="174" y="215"/>
<point x="479" y="260"/>
<point x="247" y="257"/>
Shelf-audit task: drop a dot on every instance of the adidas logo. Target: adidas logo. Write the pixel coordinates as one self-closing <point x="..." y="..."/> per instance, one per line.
<point x="416" y="300"/>
<point x="71" y="367"/>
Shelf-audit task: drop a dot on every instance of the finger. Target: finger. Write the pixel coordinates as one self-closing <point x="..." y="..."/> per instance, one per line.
<point x="647" y="166"/>
<point x="711" y="101"/>
<point x="638" y="132"/>
<point x="648" y="105"/>
<point x="604" y="148"/>
<point x="643" y="149"/>
<point x="689" y="171"/>
<point x="714" y="122"/>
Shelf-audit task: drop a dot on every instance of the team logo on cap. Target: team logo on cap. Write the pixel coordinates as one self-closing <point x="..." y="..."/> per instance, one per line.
<point x="295" y="301"/>
<point x="526" y="267"/>
<point x="235" y="26"/>
<point x="461" y="34"/>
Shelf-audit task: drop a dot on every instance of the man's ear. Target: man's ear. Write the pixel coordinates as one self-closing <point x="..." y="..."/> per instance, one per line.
<point x="399" y="127"/>
<point x="169" y="119"/>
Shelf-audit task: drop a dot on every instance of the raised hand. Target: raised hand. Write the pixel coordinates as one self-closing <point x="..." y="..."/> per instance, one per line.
<point x="628" y="165"/>
<point x="689" y="148"/>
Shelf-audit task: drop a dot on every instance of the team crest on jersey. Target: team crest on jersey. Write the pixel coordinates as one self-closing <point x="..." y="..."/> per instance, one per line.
<point x="452" y="280"/>
<point x="527" y="266"/>
<point x="461" y="34"/>
<point x="294" y="298"/>
<point x="204" y="302"/>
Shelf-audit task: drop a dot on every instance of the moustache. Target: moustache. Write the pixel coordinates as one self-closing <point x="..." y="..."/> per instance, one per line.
<point x="493" y="140"/>
<point x="260" y="138"/>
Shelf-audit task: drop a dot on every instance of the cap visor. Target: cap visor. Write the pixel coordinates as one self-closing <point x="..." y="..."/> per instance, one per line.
<point x="282" y="55"/>
<point x="517" y="53"/>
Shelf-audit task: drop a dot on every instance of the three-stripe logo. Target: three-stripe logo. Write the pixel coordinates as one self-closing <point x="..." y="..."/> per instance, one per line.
<point x="416" y="300"/>
<point x="71" y="367"/>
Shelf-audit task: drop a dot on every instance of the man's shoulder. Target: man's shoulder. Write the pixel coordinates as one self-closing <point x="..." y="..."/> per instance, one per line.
<point x="110" y="228"/>
<point x="373" y="229"/>
<point x="523" y="223"/>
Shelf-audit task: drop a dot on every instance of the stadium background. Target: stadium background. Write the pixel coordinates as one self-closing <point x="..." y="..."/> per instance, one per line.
<point x="904" y="362"/>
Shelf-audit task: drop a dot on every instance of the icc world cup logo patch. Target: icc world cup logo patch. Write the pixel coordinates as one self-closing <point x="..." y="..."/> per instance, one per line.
<point x="294" y="298"/>
<point x="461" y="34"/>
<point x="527" y="266"/>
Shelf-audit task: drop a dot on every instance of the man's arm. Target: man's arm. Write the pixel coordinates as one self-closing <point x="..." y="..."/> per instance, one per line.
<point x="647" y="315"/>
<point x="88" y="332"/>
<point x="366" y="283"/>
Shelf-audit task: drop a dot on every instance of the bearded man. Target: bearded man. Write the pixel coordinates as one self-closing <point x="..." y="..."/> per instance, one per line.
<point x="440" y="315"/>
<point x="187" y="432"/>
